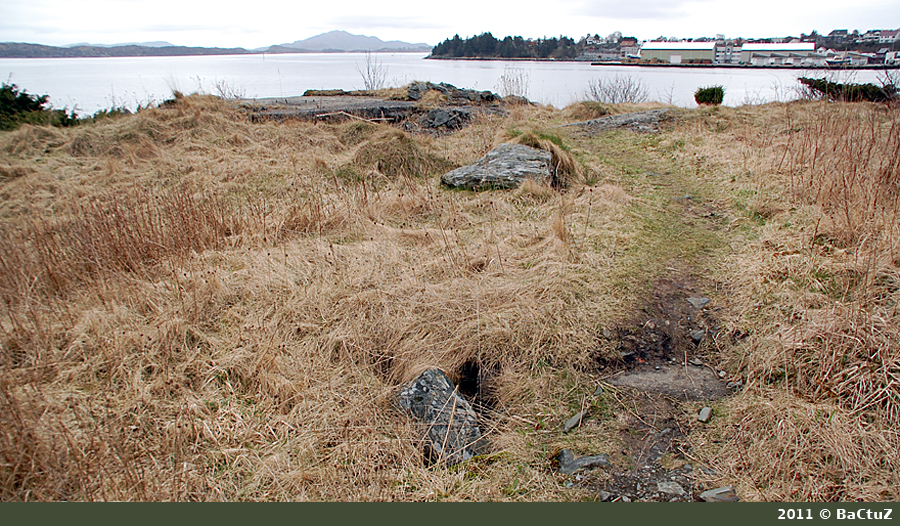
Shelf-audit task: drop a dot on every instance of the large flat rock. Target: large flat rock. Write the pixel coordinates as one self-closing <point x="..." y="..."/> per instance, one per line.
<point x="319" y="107"/>
<point x="506" y="166"/>
<point x="686" y="383"/>
<point x="641" y="122"/>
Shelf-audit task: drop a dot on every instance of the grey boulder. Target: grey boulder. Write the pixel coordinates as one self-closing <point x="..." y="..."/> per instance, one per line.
<point x="506" y="166"/>
<point x="451" y="427"/>
<point x="568" y="464"/>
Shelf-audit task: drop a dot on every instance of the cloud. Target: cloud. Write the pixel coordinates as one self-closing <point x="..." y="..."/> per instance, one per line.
<point x="646" y="9"/>
<point x="384" y="22"/>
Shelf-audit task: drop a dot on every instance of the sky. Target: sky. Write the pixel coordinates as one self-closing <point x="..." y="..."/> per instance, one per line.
<point x="229" y="23"/>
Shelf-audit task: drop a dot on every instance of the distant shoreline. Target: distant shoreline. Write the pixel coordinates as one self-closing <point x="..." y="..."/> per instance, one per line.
<point x="742" y="66"/>
<point x="27" y="51"/>
<point x="665" y="65"/>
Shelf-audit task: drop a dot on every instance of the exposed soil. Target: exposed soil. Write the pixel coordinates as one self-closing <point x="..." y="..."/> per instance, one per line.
<point x="662" y="367"/>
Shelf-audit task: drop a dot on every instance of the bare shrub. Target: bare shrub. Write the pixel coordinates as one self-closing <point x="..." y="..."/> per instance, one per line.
<point x="513" y="82"/>
<point x="227" y="91"/>
<point x="373" y="72"/>
<point x="619" y="89"/>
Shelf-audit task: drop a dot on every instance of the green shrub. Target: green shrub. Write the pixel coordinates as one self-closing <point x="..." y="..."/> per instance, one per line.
<point x="849" y="92"/>
<point x="18" y="107"/>
<point x="711" y="95"/>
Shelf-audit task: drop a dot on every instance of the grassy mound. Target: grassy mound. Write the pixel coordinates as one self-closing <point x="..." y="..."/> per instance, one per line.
<point x="194" y="306"/>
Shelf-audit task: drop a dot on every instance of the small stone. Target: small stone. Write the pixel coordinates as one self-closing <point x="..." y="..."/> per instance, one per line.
<point x="672" y="488"/>
<point x="657" y="368"/>
<point x="722" y="374"/>
<point x="605" y="495"/>
<point x="723" y="494"/>
<point x="698" y="303"/>
<point x="696" y="361"/>
<point x="697" y="336"/>
<point x="688" y="468"/>
<point x="449" y="423"/>
<point x="598" y="391"/>
<point x="569" y="484"/>
<point x="625" y="498"/>
<point x="568" y="464"/>
<point x="705" y="414"/>
<point x="573" y="422"/>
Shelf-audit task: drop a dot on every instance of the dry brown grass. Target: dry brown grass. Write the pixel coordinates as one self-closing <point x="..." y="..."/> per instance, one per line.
<point x="815" y="298"/>
<point x="195" y="307"/>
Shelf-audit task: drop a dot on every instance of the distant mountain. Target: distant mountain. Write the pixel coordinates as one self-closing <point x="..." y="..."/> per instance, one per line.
<point x="335" y="41"/>
<point x="20" y="50"/>
<point x="157" y="43"/>
<point x="344" y="41"/>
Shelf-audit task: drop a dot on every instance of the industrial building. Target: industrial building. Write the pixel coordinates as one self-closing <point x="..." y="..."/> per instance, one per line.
<point x="679" y="52"/>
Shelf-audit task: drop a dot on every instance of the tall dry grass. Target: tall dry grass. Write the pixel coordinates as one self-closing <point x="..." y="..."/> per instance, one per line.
<point x="815" y="304"/>
<point x="196" y="307"/>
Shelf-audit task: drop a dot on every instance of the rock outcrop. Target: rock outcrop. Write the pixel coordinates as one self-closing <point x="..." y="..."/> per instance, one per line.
<point x="454" y="95"/>
<point x="452" y="118"/>
<point x="506" y="166"/>
<point x="451" y="427"/>
<point x="337" y="108"/>
<point x="642" y="122"/>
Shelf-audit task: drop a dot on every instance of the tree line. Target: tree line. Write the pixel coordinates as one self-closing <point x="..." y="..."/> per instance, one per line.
<point x="19" y="50"/>
<point x="486" y="45"/>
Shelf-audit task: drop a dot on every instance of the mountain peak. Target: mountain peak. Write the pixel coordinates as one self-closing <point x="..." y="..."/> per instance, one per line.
<point x="340" y="40"/>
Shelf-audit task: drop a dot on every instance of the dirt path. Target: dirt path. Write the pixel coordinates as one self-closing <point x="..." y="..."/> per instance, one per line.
<point x="669" y="364"/>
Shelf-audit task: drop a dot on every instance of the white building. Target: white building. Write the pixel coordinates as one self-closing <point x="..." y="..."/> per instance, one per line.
<point x="888" y="37"/>
<point x="679" y="52"/>
<point x="799" y="48"/>
<point x="892" y="58"/>
<point x="728" y="53"/>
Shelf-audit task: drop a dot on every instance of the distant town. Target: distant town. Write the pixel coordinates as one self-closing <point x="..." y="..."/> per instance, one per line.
<point x="839" y="48"/>
<point x="874" y="48"/>
<point x="877" y="47"/>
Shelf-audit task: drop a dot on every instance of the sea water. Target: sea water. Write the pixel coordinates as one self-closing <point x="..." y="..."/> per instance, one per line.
<point x="90" y="84"/>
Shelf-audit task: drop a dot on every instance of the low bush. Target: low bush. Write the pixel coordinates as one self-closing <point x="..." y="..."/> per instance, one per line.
<point x="850" y="92"/>
<point x="710" y="95"/>
<point x="19" y="107"/>
<point x="618" y="90"/>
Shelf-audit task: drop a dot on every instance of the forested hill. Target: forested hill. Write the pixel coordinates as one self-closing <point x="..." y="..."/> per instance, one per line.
<point x="20" y="50"/>
<point x="486" y="45"/>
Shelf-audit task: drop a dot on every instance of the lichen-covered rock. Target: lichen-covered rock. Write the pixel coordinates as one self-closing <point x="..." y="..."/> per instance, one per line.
<point x="568" y="464"/>
<point x="451" y="425"/>
<point x="453" y="95"/>
<point x="641" y="122"/>
<point x="453" y="118"/>
<point x="506" y="166"/>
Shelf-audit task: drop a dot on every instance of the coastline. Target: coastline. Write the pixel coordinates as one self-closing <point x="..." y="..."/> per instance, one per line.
<point x="745" y="66"/>
<point x="665" y="65"/>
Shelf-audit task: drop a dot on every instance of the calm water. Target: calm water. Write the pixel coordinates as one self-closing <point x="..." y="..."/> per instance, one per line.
<point x="90" y="84"/>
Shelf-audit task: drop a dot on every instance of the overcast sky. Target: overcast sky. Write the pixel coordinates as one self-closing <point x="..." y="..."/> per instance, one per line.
<point x="228" y="23"/>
